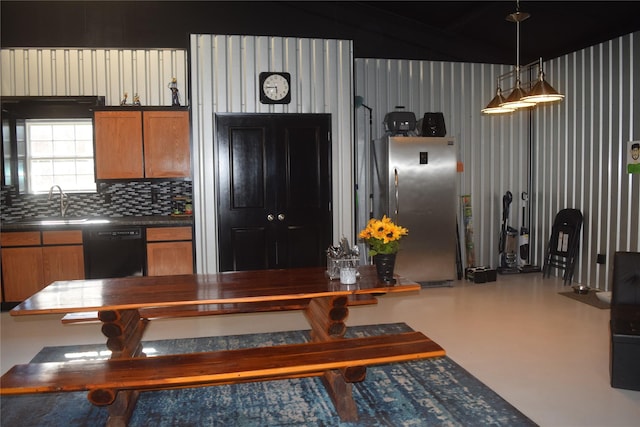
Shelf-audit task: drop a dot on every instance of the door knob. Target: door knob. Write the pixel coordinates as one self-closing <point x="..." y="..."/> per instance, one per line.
<point x="270" y="217"/>
<point x="281" y="217"/>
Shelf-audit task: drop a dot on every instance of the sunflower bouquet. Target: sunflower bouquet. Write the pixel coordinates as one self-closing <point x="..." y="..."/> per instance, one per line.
<point x="382" y="236"/>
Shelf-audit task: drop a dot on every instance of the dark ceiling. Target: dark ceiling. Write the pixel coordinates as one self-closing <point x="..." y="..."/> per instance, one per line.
<point x="468" y="31"/>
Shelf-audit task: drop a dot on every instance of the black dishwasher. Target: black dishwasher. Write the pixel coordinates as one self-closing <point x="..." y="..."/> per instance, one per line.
<point x="114" y="252"/>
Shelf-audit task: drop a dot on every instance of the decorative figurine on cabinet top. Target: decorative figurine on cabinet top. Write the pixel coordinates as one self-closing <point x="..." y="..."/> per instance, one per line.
<point x="124" y="99"/>
<point x="136" y="100"/>
<point x="175" y="98"/>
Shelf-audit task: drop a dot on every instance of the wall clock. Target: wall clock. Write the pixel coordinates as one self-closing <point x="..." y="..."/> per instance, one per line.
<point x="275" y="88"/>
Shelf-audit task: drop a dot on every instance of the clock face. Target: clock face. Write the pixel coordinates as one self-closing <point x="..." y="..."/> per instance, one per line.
<point x="275" y="88"/>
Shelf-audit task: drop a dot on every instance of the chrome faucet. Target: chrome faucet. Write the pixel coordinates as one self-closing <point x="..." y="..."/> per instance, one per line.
<point x="64" y="199"/>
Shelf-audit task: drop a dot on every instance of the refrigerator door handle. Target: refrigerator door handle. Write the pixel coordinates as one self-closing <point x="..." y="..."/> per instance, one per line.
<point x="396" y="185"/>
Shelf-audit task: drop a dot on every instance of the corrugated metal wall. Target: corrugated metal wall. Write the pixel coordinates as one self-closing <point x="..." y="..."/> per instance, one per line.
<point x="494" y="150"/>
<point x="95" y="72"/>
<point x="577" y="145"/>
<point x="224" y="76"/>
<point x="580" y="153"/>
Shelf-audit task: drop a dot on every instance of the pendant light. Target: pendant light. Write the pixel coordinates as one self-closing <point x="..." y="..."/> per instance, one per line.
<point x="495" y="106"/>
<point x="514" y="100"/>
<point x="543" y="91"/>
<point x="519" y="98"/>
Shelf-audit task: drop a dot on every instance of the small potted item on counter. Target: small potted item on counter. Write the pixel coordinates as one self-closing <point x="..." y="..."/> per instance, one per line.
<point x="181" y="206"/>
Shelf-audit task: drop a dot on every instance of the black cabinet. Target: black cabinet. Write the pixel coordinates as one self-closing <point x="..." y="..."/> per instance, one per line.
<point x="274" y="190"/>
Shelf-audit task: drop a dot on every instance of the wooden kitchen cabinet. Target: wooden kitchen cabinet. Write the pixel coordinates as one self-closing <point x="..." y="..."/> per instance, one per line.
<point x="33" y="259"/>
<point x="22" y="238"/>
<point x="118" y="144"/>
<point x="169" y="251"/>
<point x="137" y="144"/>
<point x="21" y="251"/>
<point x="167" y="151"/>
<point x="62" y="255"/>
<point x="62" y="263"/>
<point x="22" y="273"/>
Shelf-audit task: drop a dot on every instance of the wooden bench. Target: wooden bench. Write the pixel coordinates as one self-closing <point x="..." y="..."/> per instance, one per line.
<point x="126" y="304"/>
<point x="340" y="362"/>
<point x="218" y="309"/>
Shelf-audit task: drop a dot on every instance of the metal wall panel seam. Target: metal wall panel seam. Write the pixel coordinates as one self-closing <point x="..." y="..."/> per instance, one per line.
<point x="620" y="150"/>
<point x="609" y="215"/>
<point x="38" y="73"/>
<point x="25" y="76"/>
<point x="202" y="50"/>
<point x="634" y="93"/>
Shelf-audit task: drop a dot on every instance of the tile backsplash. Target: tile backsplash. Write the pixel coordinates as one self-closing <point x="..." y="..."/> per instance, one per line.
<point x="118" y="199"/>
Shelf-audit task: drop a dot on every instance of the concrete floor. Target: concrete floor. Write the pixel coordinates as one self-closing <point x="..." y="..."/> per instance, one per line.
<point x="546" y="354"/>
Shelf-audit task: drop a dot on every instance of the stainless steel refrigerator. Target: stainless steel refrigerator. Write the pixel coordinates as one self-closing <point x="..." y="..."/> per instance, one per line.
<point x="414" y="183"/>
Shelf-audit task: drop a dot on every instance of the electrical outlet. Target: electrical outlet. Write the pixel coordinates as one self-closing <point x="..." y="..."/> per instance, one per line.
<point x="154" y="196"/>
<point x="601" y="259"/>
<point x="107" y="198"/>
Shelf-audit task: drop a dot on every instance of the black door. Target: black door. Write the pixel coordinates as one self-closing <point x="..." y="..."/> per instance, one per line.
<point x="274" y="190"/>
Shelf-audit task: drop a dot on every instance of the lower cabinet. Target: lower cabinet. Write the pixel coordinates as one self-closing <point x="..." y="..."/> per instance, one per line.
<point x="33" y="259"/>
<point x="19" y="277"/>
<point x="169" y="251"/>
<point x="62" y="263"/>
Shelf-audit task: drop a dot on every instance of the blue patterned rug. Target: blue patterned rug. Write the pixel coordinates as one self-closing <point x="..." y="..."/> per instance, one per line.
<point x="432" y="392"/>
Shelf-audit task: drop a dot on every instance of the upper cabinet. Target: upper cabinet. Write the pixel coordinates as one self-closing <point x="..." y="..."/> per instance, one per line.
<point x="138" y="144"/>
<point x="166" y="144"/>
<point x="118" y="148"/>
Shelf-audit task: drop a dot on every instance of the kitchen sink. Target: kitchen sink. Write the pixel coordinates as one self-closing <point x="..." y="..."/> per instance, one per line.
<point x="62" y="221"/>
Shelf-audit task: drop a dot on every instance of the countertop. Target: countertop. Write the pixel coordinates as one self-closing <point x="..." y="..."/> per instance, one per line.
<point x="26" y="224"/>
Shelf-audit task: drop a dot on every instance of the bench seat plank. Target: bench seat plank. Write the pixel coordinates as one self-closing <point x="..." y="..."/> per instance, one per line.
<point x="228" y="366"/>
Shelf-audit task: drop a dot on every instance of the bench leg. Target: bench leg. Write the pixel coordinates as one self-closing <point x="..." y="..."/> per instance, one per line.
<point x="341" y="393"/>
<point x="124" y="330"/>
<point x="326" y="316"/>
<point x="121" y="410"/>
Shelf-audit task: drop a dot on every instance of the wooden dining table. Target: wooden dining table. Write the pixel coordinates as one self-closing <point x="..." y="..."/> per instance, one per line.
<point x="256" y="286"/>
<point x="120" y="304"/>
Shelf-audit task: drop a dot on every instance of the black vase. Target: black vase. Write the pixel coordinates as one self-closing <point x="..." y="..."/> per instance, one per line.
<point x="385" y="263"/>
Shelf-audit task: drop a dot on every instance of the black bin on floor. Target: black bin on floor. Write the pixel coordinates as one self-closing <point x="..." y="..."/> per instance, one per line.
<point x="625" y="361"/>
<point x="625" y="321"/>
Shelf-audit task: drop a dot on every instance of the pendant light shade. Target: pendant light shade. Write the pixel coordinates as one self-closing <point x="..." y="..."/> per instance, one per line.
<point x="543" y="91"/>
<point x="516" y="99"/>
<point x="495" y="106"/>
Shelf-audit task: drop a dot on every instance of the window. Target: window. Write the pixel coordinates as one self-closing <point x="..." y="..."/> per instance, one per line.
<point x="60" y="152"/>
<point x="48" y="141"/>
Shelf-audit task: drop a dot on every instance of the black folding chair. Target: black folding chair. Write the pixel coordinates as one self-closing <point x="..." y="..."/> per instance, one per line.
<point x="564" y="243"/>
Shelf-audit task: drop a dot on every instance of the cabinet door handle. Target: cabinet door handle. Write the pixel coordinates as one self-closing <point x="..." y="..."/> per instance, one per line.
<point x="270" y="217"/>
<point x="281" y="217"/>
